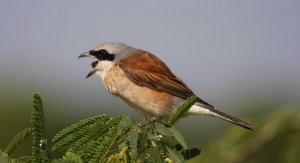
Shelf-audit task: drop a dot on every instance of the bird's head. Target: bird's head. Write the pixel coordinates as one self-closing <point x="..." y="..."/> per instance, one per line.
<point x="107" y="54"/>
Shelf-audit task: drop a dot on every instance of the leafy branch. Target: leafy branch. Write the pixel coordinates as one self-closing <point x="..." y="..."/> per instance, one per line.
<point x="104" y="139"/>
<point x="18" y="141"/>
<point x="39" y="143"/>
<point x="182" y="109"/>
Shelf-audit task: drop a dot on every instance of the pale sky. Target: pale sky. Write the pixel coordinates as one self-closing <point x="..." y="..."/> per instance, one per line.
<point x="221" y="49"/>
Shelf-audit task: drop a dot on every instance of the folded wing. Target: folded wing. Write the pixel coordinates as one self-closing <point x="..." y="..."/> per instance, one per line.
<point x="145" y="69"/>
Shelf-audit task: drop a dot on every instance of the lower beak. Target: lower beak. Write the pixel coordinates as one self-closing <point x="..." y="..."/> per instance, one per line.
<point x="92" y="72"/>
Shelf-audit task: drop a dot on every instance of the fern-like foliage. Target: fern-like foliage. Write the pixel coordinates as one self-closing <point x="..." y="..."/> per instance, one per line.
<point x="182" y="109"/>
<point x="23" y="159"/>
<point x="101" y="151"/>
<point x="95" y="139"/>
<point x="17" y="141"/>
<point x="178" y="137"/>
<point x="174" y="155"/>
<point x="4" y="157"/>
<point x="39" y="146"/>
<point x="104" y="139"/>
<point x="69" y="158"/>
<point x="154" y="155"/>
<point x="170" y="131"/>
<point x="132" y="139"/>
<point x="92" y="138"/>
<point x="119" y="158"/>
<point x="154" y="143"/>
<point x="81" y="131"/>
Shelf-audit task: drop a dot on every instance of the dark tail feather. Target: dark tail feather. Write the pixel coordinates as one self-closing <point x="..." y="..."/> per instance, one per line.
<point x="232" y="119"/>
<point x="206" y="109"/>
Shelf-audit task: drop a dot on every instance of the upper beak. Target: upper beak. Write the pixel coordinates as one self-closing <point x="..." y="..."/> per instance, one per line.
<point x="86" y="54"/>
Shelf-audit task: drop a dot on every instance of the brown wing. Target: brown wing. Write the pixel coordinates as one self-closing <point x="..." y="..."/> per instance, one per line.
<point x="147" y="70"/>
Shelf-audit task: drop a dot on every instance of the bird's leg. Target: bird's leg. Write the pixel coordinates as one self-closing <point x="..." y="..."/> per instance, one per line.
<point x="143" y="124"/>
<point x="151" y="120"/>
<point x="154" y="119"/>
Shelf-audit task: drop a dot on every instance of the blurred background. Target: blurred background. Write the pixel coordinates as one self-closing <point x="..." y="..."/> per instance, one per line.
<point x="241" y="56"/>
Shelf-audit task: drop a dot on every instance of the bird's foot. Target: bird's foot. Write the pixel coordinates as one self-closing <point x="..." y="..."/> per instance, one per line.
<point x="143" y="124"/>
<point x="148" y="121"/>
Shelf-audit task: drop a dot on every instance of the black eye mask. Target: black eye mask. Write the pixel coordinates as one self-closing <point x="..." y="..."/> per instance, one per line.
<point x="102" y="55"/>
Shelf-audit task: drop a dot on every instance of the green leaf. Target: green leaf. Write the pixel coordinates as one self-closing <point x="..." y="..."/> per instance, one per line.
<point x="39" y="154"/>
<point x="69" y="158"/>
<point x="178" y="137"/>
<point x="93" y="137"/>
<point x="4" y="158"/>
<point x="143" y="140"/>
<point x="154" y="155"/>
<point x="132" y="138"/>
<point x="125" y="123"/>
<point x="79" y="126"/>
<point x="110" y="139"/>
<point x="17" y="141"/>
<point x="23" y="159"/>
<point x="175" y="156"/>
<point x="88" y="146"/>
<point x="162" y="129"/>
<point x="117" y="158"/>
<point x="94" y="148"/>
<point x="182" y="109"/>
<point x="82" y="132"/>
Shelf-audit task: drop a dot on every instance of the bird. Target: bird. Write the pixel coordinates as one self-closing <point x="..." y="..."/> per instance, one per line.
<point x="146" y="83"/>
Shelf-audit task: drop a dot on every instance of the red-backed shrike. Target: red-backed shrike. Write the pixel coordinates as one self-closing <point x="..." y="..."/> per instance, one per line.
<point x="146" y="83"/>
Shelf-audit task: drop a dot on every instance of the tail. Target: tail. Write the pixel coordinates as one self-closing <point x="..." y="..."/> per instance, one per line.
<point x="203" y="109"/>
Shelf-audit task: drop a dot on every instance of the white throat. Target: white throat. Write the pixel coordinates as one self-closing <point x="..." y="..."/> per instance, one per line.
<point x="103" y="68"/>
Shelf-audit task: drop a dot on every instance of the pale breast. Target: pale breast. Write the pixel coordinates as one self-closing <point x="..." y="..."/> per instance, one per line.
<point x="144" y="99"/>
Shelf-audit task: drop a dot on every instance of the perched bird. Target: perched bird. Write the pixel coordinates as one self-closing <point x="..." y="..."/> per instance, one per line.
<point x="145" y="82"/>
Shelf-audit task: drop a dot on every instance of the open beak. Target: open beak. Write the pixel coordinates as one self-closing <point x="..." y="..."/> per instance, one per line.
<point x="94" y="68"/>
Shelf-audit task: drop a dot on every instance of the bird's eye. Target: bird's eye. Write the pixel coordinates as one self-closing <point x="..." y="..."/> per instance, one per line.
<point x="98" y="53"/>
<point x="104" y="55"/>
<point x="103" y="52"/>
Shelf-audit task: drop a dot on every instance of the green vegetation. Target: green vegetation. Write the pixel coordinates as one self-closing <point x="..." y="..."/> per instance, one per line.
<point x="104" y="139"/>
<point x="276" y="139"/>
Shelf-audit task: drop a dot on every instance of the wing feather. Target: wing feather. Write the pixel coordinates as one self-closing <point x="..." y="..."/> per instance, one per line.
<point x="145" y="69"/>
